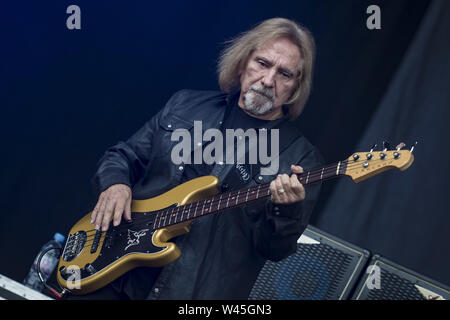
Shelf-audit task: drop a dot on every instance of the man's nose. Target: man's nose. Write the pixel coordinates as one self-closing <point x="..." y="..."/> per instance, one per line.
<point x="269" y="79"/>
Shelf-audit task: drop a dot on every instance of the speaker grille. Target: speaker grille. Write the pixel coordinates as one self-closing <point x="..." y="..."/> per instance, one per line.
<point x="394" y="288"/>
<point x="319" y="271"/>
<point x="399" y="283"/>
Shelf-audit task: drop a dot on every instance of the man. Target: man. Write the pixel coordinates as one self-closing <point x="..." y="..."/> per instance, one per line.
<point x="265" y="75"/>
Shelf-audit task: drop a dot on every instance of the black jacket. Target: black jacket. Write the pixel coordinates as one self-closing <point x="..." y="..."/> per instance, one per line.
<point x="223" y="253"/>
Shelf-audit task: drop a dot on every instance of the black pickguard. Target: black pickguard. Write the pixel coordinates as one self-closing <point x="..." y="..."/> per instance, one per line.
<point x="126" y="238"/>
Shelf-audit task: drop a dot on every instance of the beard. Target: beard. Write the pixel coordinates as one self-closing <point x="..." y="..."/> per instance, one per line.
<point x="258" y="100"/>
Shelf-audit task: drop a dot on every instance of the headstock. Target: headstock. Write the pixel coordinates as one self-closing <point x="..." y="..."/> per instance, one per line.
<point x="363" y="165"/>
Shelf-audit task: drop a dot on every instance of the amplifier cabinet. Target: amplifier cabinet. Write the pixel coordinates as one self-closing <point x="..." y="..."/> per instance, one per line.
<point x="387" y="280"/>
<point x="323" y="268"/>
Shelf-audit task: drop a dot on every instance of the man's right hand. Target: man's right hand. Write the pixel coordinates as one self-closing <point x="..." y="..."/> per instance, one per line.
<point x="112" y="203"/>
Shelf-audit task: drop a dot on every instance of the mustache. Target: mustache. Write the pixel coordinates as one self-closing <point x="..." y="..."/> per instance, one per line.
<point x="268" y="93"/>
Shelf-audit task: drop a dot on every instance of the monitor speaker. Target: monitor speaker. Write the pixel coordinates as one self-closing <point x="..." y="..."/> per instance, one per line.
<point x="323" y="268"/>
<point x="386" y="280"/>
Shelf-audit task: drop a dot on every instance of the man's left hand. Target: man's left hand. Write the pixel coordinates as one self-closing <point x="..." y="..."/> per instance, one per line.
<point x="287" y="190"/>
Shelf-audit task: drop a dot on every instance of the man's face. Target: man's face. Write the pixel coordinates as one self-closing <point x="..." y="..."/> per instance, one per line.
<point x="269" y="78"/>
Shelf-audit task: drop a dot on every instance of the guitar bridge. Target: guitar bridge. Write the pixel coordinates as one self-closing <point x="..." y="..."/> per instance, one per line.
<point x="75" y="244"/>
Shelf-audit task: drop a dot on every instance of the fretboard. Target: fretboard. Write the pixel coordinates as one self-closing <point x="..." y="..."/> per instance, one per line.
<point x="224" y="201"/>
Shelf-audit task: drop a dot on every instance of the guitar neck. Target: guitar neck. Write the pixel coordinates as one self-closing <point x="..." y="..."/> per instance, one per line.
<point x="228" y="200"/>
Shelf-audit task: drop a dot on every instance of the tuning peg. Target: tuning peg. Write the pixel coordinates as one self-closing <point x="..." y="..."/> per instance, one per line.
<point x="400" y="146"/>
<point x="386" y="145"/>
<point x="373" y="147"/>
<point x="412" y="148"/>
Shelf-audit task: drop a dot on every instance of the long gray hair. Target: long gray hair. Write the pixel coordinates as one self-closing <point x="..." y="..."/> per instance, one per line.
<point x="234" y="58"/>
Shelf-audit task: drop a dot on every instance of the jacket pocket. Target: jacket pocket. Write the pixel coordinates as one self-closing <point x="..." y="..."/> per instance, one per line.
<point x="167" y="126"/>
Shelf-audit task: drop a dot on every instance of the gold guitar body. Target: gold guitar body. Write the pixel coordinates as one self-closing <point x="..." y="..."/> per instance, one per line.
<point x="82" y="271"/>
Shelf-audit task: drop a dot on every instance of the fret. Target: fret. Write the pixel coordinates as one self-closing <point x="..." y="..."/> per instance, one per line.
<point x="165" y="216"/>
<point x="237" y="197"/>
<point x="180" y="210"/>
<point x="337" y="170"/>
<point x="246" y="198"/>
<point x="253" y="193"/>
<point x="228" y="200"/>
<point x="189" y="212"/>
<point x="176" y="215"/>
<point x="203" y="209"/>
<point x="170" y="216"/>
<point x="307" y="177"/>
<point x="212" y="200"/>
<point x="321" y="175"/>
<point x="257" y="193"/>
<point x="220" y="199"/>
<point x="196" y="207"/>
<point x="158" y="216"/>
<point x="182" y="213"/>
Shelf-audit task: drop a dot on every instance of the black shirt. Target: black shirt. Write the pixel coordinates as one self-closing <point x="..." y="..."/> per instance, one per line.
<point x="235" y="118"/>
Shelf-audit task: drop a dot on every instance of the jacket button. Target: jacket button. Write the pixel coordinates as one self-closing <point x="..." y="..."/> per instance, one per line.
<point x="180" y="168"/>
<point x="260" y="178"/>
<point x="277" y="211"/>
<point x="156" y="290"/>
<point x="169" y="126"/>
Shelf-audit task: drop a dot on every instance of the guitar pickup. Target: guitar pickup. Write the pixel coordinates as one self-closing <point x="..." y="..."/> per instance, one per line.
<point x="98" y="235"/>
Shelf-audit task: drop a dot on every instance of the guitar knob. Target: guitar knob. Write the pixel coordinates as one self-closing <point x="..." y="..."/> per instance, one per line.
<point x="90" y="268"/>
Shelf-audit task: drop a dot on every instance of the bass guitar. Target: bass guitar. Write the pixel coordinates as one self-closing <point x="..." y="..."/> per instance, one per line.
<point x="91" y="258"/>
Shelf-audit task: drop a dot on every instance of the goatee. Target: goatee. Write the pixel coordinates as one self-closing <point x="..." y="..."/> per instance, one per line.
<point x="258" y="100"/>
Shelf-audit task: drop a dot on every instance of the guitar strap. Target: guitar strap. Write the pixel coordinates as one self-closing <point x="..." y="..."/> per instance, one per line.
<point x="235" y="176"/>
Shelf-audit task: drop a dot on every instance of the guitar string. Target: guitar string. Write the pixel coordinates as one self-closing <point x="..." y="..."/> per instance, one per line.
<point x="90" y="242"/>
<point x="312" y="174"/>
<point x="323" y="171"/>
<point x="264" y="189"/>
<point x="143" y="222"/>
<point x="141" y="215"/>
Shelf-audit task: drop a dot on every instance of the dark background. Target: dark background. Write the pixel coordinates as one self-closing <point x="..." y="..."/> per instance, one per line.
<point x="67" y="95"/>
